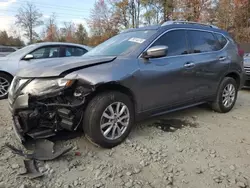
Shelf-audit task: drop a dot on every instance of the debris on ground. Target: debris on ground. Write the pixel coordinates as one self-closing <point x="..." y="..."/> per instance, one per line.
<point x="44" y="151"/>
<point x="31" y="170"/>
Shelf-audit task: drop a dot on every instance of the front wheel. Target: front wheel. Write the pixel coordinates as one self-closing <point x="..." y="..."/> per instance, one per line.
<point x="5" y="81"/>
<point x="226" y="96"/>
<point x="108" y="119"/>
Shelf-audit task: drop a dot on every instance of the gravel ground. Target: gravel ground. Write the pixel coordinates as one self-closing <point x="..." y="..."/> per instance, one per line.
<point x="200" y="149"/>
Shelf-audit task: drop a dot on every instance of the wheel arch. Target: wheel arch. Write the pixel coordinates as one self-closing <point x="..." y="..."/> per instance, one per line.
<point x="235" y="76"/>
<point x="114" y="86"/>
<point x="4" y="72"/>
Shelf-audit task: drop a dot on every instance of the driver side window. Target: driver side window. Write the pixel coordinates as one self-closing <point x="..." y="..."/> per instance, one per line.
<point x="175" y="41"/>
<point x="46" y="52"/>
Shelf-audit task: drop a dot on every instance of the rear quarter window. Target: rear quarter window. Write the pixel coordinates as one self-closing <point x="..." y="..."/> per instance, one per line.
<point x="222" y="40"/>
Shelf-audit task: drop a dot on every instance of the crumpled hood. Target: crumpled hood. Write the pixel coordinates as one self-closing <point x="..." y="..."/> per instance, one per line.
<point x="63" y="66"/>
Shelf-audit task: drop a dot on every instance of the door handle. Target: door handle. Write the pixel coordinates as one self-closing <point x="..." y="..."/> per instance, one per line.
<point x="189" y="65"/>
<point x="222" y="58"/>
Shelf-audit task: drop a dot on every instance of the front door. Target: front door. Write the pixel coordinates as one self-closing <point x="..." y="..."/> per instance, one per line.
<point x="41" y="54"/>
<point x="168" y="81"/>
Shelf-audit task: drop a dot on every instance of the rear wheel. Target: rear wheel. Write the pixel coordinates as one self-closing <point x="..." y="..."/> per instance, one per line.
<point x="5" y="81"/>
<point x="108" y="119"/>
<point x="226" y="96"/>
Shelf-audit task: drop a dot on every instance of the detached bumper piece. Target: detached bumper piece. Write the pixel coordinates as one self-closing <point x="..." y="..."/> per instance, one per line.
<point x="44" y="151"/>
<point x="31" y="171"/>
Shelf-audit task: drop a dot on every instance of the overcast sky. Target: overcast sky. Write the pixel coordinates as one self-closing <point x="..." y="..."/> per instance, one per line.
<point x="65" y="10"/>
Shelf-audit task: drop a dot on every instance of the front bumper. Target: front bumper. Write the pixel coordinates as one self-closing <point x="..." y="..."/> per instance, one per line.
<point x="21" y="102"/>
<point x="18" y="130"/>
<point x="37" y="119"/>
<point x="15" y="104"/>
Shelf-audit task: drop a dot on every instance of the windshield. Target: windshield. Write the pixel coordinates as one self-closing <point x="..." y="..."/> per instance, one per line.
<point x="21" y="51"/>
<point x="121" y="44"/>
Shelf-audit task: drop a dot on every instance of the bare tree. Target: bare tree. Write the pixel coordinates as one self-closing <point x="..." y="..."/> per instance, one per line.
<point x="28" y="18"/>
<point x="134" y="11"/>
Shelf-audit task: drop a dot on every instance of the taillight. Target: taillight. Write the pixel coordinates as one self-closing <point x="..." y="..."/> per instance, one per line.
<point x="240" y="51"/>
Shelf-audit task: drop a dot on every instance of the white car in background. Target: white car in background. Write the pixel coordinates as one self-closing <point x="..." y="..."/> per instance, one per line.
<point x="34" y="53"/>
<point x="6" y="50"/>
<point x="247" y="69"/>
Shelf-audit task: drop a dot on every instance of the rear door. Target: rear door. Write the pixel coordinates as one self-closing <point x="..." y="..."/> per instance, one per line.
<point x="210" y="62"/>
<point x="168" y="81"/>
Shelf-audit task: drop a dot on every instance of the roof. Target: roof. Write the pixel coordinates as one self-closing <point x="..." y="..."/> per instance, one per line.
<point x="180" y="24"/>
<point x="152" y="27"/>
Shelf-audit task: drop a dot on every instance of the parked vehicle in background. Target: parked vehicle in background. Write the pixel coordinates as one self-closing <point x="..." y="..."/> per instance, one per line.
<point x="247" y="69"/>
<point x="6" y="50"/>
<point x="137" y="74"/>
<point x="31" y="54"/>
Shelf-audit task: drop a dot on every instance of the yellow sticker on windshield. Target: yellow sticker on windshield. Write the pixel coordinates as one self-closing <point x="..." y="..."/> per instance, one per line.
<point x="137" y="40"/>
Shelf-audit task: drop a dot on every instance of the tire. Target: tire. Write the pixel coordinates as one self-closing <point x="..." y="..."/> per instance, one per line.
<point x="218" y="104"/>
<point x="3" y="79"/>
<point x="94" y="118"/>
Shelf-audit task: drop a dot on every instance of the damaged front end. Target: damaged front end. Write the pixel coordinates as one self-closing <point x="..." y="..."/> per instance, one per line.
<point x="42" y="107"/>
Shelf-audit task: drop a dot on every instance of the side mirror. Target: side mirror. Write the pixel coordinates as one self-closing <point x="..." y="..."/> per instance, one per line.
<point x="156" y="51"/>
<point x="28" y="57"/>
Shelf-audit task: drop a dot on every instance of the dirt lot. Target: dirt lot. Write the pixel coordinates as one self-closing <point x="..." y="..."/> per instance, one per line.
<point x="209" y="150"/>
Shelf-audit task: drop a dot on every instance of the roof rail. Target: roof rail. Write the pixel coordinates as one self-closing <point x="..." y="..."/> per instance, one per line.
<point x="187" y="22"/>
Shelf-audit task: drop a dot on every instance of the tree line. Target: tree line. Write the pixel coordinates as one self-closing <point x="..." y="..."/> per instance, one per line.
<point x="109" y="17"/>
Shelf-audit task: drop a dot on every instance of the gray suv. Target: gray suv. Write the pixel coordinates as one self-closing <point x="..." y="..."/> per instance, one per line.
<point x="138" y="74"/>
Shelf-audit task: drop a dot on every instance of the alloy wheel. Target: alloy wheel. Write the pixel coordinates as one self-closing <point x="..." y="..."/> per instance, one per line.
<point x="228" y="95"/>
<point x="4" y="85"/>
<point x="114" y="120"/>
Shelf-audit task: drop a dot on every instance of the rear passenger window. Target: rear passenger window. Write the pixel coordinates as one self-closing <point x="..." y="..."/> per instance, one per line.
<point x="176" y="42"/>
<point x="222" y="40"/>
<point x="202" y="41"/>
<point x="74" y="51"/>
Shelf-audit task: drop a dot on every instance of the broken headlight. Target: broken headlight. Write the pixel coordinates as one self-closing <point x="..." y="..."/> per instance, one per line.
<point x="40" y="87"/>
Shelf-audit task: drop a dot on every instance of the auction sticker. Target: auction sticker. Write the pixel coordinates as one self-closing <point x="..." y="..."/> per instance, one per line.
<point x="137" y="40"/>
